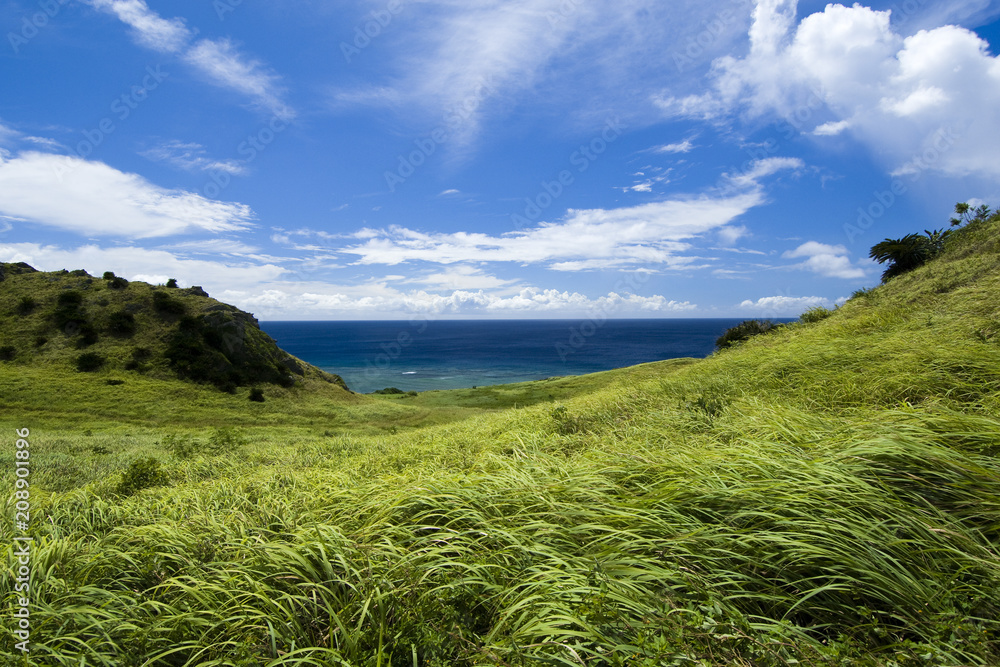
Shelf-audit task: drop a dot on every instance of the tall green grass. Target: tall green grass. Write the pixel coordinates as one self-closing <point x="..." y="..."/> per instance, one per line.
<point x="824" y="494"/>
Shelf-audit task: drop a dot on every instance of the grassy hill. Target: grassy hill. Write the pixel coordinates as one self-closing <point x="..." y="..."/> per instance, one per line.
<point x="825" y="494"/>
<point x="72" y="320"/>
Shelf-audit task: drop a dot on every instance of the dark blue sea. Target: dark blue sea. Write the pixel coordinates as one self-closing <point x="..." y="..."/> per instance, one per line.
<point x="450" y="354"/>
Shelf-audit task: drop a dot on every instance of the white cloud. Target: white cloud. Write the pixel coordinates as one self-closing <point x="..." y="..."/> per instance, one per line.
<point x="831" y="129"/>
<point x="650" y="233"/>
<point x="213" y="247"/>
<point x="786" y="305"/>
<point x="191" y="157"/>
<point x="380" y="301"/>
<point x="685" y="146"/>
<point x="461" y="278"/>
<point x="730" y="235"/>
<point x="846" y="69"/>
<point x="152" y="31"/>
<point x="92" y="198"/>
<point x="826" y="260"/>
<point x="219" y="60"/>
<point x="763" y="168"/>
<point x="135" y="263"/>
<point x="470" y="61"/>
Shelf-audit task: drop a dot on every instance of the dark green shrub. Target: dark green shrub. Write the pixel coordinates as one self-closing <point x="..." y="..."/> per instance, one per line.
<point x="108" y="275"/>
<point x="743" y="331"/>
<point x="88" y="336"/>
<point x="41" y="341"/>
<point x="388" y="391"/>
<point x="172" y="283"/>
<point x="167" y="305"/>
<point x="26" y="305"/>
<point x="121" y="323"/>
<point x="141" y="474"/>
<point x="411" y="393"/>
<point x="115" y="383"/>
<point x="257" y="395"/>
<point x="816" y="314"/>
<point x="89" y="362"/>
<point x="139" y="355"/>
<point x="7" y="353"/>
<point x="117" y="283"/>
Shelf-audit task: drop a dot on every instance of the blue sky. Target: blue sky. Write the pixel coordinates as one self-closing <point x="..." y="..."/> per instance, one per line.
<point x="515" y="159"/>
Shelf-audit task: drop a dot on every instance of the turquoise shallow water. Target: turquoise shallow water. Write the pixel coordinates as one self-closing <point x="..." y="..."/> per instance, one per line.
<point x="453" y="354"/>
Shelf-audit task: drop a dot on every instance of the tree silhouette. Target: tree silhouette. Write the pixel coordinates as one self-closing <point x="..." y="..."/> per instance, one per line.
<point x="905" y="254"/>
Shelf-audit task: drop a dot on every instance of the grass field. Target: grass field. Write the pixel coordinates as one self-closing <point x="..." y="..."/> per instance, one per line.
<point x="826" y="494"/>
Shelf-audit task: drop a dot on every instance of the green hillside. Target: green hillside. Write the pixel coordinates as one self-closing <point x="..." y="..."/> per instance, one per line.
<point x="72" y="320"/>
<point x="824" y="494"/>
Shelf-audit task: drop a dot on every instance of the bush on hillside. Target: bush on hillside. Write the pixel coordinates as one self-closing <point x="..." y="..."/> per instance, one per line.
<point x="108" y="275"/>
<point x="141" y="474"/>
<point x="69" y="311"/>
<point x="167" y="305"/>
<point x="7" y="353"/>
<point x="388" y="391"/>
<point x="122" y="323"/>
<point x="743" y="331"/>
<point x="172" y="283"/>
<point x="117" y="283"/>
<point x="26" y="305"/>
<point x="139" y="355"/>
<point x="88" y="336"/>
<point x="257" y="395"/>
<point x="816" y="314"/>
<point x="89" y="362"/>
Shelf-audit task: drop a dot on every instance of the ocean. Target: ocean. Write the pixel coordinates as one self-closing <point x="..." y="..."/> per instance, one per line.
<point x="451" y="354"/>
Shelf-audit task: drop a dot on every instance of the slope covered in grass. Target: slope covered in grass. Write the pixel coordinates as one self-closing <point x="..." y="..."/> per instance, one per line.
<point x="70" y="320"/>
<point x="826" y="494"/>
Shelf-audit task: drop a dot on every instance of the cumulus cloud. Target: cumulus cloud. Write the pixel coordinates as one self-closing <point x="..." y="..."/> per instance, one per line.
<point x="831" y="261"/>
<point x="847" y="70"/>
<point x="382" y="301"/>
<point x="787" y="305"/>
<point x="92" y="198"/>
<point x="136" y="263"/>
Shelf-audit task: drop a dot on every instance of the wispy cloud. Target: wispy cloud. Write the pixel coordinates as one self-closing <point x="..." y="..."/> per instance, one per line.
<point x="191" y="157"/>
<point x="685" y="146"/>
<point x="219" y="60"/>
